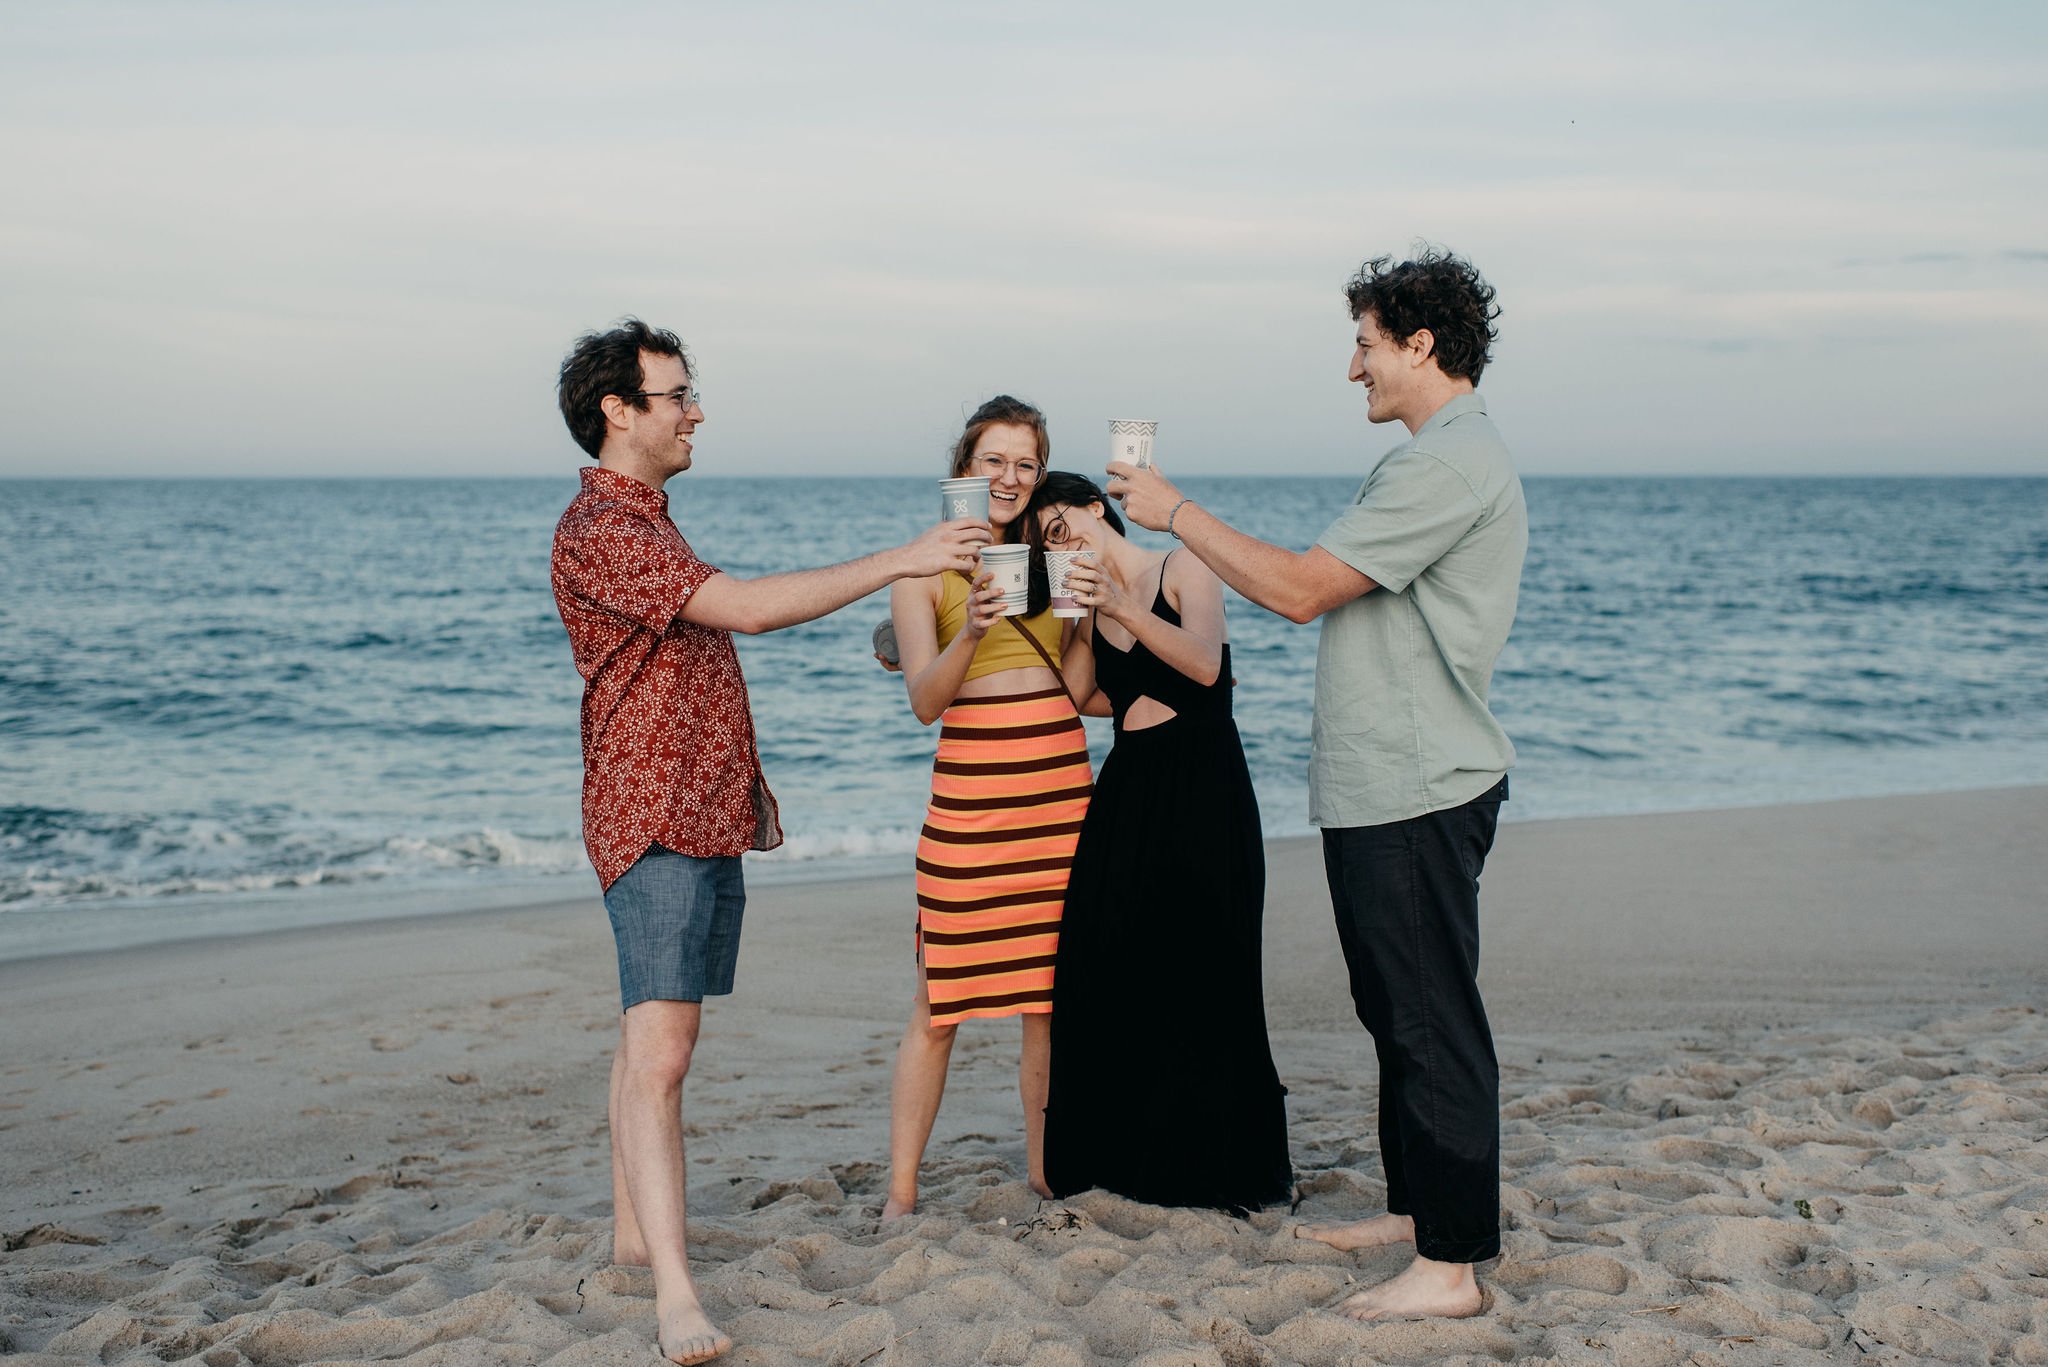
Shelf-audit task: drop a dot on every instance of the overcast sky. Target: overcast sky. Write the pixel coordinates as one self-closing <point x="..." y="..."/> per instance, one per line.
<point x="355" y="239"/>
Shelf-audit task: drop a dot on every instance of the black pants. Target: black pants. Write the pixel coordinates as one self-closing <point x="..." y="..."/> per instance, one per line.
<point x="1406" y="896"/>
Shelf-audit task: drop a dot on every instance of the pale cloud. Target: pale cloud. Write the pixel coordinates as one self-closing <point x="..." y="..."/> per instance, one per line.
<point x="865" y="217"/>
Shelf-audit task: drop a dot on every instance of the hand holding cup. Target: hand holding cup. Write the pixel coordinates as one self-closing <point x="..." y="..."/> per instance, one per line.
<point x="1148" y="496"/>
<point x="984" y="606"/>
<point x="1094" y="587"/>
<point x="948" y="546"/>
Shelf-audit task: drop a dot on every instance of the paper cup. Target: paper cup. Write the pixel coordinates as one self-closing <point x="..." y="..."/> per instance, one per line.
<point x="1057" y="563"/>
<point x="960" y="498"/>
<point x="1130" y="439"/>
<point x="1011" y="567"/>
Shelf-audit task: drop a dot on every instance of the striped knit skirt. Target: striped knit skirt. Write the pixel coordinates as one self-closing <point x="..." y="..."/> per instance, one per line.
<point x="1009" y="789"/>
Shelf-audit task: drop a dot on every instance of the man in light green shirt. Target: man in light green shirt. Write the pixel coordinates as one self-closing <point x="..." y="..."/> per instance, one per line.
<point x="1415" y="583"/>
<point x="1401" y="722"/>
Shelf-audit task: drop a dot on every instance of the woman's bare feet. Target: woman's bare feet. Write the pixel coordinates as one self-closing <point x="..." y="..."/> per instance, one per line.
<point x="1039" y="1185"/>
<point x="1440" y="1290"/>
<point x="688" y="1335"/>
<point x="628" y="1251"/>
<point x="896" y="1207"/>
<point x="1374" y="1233"/>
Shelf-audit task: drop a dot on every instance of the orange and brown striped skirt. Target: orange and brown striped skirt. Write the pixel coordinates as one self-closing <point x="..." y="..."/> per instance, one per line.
<point x="1009" y="790"/>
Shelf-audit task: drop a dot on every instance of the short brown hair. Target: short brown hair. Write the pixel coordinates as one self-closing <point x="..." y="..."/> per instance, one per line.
<point x="604" y="363"/>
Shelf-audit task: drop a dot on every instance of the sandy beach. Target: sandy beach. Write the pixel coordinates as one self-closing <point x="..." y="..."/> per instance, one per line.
<point x="1775" y="1090"/>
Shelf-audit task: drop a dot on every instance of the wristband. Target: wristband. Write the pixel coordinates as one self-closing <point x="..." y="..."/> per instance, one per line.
<point x="1173" y="514"/>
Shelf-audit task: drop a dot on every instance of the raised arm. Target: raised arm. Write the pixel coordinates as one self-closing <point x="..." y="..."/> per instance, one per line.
<point x="1195" y="647"/>
<point x="781" y="600"/>
<point x="1300" y="586"/>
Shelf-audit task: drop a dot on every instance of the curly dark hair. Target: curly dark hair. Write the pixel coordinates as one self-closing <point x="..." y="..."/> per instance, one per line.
<point x="608" y="362"/>
<point x="1432" y="290"/>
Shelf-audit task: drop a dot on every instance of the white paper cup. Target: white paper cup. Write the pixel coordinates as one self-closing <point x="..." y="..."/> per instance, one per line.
<point x="1011" y="567"/>
<point x="1057" y="563"/>
<point x="960" y="498"/>
<point x="1130" y="439"/>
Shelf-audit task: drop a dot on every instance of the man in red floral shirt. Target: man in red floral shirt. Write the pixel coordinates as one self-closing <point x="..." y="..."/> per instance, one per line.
<point x="672" y="786"/>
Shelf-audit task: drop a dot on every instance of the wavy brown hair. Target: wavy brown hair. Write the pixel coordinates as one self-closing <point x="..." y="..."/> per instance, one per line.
<point x="1001" y="409"/>
<point x="1004" y="408"/>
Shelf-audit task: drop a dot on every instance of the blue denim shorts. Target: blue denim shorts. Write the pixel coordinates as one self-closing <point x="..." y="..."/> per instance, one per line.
<point x="676" y="919"/>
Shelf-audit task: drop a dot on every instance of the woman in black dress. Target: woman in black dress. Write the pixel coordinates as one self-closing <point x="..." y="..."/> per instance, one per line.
<point x="1163" y="1086"/>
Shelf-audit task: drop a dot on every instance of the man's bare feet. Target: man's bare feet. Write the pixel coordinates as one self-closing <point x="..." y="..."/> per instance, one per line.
<point x="1424" y="1288"/>
<point x="1374" y="1233"/>
<point x="896" y="1207"/>
<point x="688" y="1335"/>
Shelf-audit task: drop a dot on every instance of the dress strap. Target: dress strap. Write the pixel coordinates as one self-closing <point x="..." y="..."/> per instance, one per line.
<point x="1160" y="595"/>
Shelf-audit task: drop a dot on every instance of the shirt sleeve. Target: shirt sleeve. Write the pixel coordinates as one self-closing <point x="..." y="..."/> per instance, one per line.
<point x="625" y="568"/>
<point x="1412" y="510"/>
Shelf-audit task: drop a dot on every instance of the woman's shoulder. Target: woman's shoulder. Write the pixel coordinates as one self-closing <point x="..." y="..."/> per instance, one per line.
<point x="1185" y="572"/>
<point x="930" y="588"/>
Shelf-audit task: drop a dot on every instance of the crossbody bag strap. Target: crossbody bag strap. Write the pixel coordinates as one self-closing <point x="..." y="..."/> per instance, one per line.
<point x="1036" y="645"/>
<point x="1046" y="656"/>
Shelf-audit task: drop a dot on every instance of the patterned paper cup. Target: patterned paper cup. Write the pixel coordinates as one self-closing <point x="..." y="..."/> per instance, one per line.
<point x="1057" y="563"/>
<point x="1011" y="566"/>
<point x="1130" y="439"/>
<point x="960" y="498"/>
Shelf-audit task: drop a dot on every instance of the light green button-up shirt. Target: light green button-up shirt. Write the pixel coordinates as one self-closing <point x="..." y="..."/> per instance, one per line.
<point x="1401" y="722"/>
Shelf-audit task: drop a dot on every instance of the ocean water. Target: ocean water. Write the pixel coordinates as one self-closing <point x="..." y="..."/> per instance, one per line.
<point x="218" y="690"/>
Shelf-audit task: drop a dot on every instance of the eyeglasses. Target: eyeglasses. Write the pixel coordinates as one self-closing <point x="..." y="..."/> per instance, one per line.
<point x="1055" y="528"/>
<point x="684" y="397"/>
<point x="993" y="467"/>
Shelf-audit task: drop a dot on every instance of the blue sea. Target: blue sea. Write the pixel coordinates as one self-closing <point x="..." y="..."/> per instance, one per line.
<point x="315" y="696"/>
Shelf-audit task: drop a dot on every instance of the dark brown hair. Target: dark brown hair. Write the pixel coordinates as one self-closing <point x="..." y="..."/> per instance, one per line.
<point x="1433" y="290"/>
<point x="1065" y="488"/>
<point x="608" y="362"/>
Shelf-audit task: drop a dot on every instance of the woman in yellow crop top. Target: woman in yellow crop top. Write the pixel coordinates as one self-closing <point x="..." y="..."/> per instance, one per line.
<point x="1010" y="787"/>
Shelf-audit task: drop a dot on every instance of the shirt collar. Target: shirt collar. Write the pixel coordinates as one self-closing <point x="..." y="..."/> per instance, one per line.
<point x="645" y="498"/>
<point x="1457" y="407"/>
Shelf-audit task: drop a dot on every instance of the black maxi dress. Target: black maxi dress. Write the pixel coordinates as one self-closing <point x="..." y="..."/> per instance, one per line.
<point x="1163" y="1087"/>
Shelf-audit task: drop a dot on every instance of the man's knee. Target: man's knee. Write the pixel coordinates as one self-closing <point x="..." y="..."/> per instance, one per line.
<point x="658" y="1042"/>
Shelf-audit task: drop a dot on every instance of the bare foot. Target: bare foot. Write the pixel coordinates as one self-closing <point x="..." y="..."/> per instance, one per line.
<point x="688" y="1335"/>
<point x="629" y="1253"/>
<point x="896" y="1207"/>
<point x="1442" y="1290"/>
<point x="1039" y="1185"/>
<point x="1373" y="1233"/>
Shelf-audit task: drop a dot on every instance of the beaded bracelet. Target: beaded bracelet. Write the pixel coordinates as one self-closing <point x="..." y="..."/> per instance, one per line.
<point x="1171" y="515"/>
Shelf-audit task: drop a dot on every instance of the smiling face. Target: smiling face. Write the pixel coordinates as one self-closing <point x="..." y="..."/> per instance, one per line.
<point x="1007" y="455"/>
<point x="660" y="434"/>
<point x="1073" y="527"/>
<point x="1386" y="368"/>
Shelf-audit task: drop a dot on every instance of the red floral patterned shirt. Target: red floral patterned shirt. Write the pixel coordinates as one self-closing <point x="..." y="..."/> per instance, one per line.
<point x="668" y="741"/>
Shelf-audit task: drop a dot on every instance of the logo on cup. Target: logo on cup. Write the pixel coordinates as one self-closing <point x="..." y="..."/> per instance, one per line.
<point x="1130" y="440"/>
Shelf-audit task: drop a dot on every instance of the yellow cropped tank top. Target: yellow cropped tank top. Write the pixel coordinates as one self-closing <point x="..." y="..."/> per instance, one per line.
<point x="1003" y="647"/>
